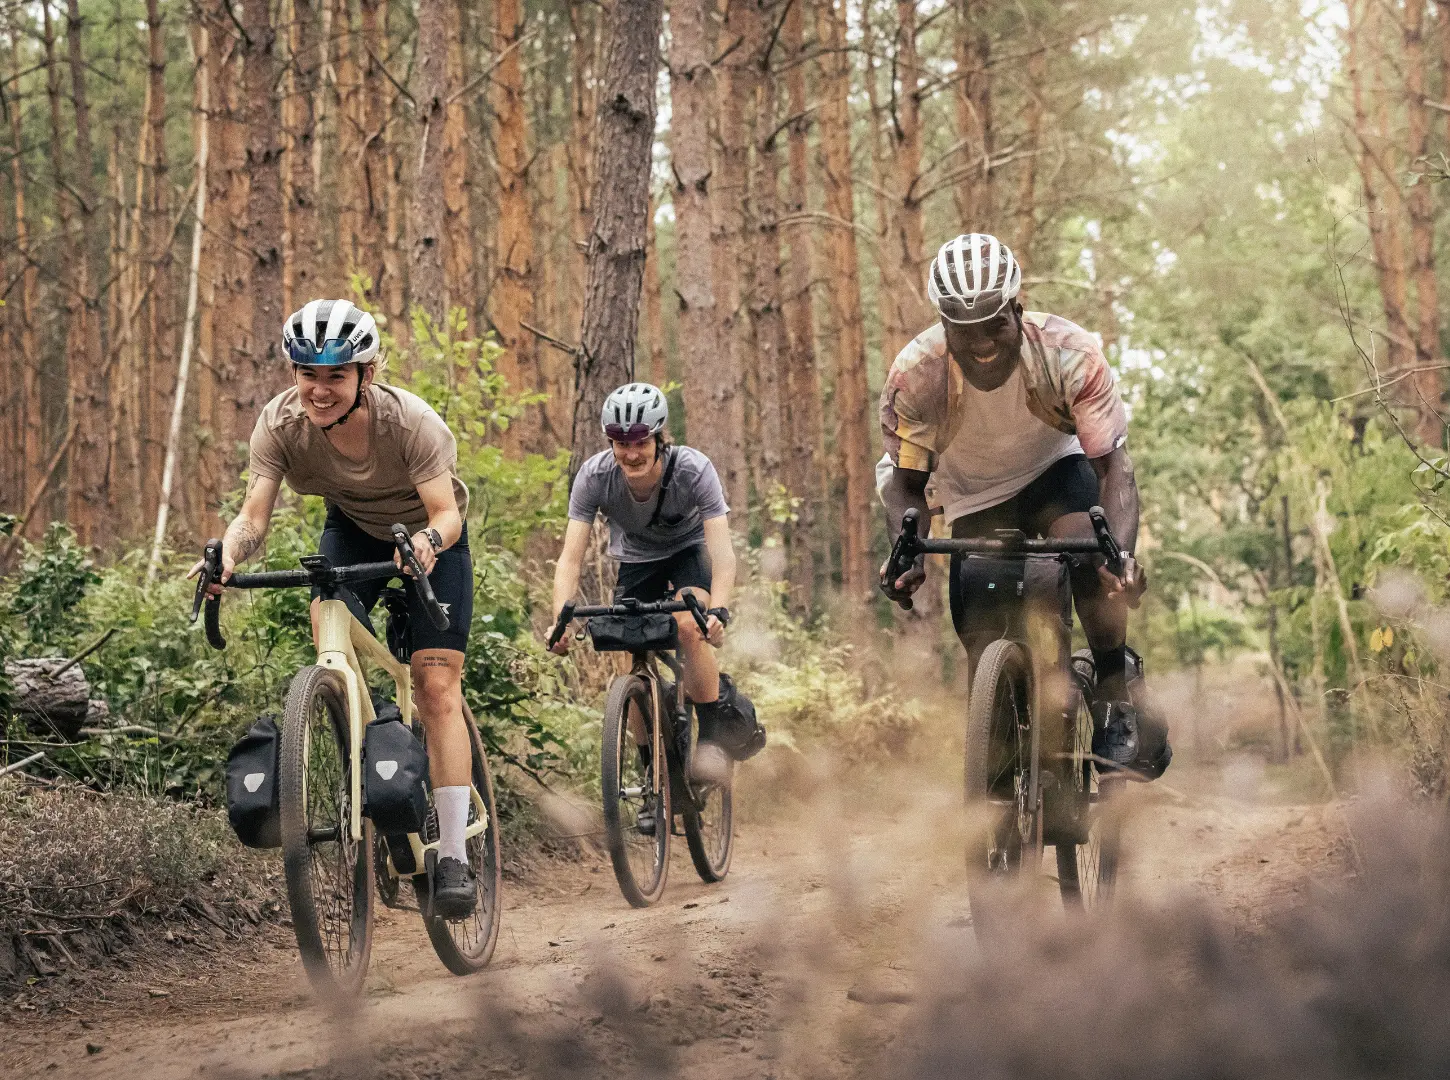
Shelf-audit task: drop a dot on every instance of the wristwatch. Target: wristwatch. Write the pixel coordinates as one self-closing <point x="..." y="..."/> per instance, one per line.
<point x="721" y="613"/>
<point x="436" y="539"/>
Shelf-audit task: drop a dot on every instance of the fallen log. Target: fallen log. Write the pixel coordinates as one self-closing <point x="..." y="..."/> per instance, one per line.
<point x="50" y="704"/>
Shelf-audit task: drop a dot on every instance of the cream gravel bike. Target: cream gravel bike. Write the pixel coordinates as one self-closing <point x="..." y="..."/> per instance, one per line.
<point x="329" y="849"/>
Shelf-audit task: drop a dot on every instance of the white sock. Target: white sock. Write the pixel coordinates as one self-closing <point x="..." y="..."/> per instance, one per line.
<point x="452" y="806"/>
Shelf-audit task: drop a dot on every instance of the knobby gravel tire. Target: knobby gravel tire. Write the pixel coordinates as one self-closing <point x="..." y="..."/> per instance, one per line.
<point x="641" y="863"/>
<point x="329" y="877"/>
<point x="466" y="945"/>
<point x="709" y="818"/>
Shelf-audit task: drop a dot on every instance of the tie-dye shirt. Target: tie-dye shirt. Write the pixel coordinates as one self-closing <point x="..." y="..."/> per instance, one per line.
<point x="1061" y="400"/>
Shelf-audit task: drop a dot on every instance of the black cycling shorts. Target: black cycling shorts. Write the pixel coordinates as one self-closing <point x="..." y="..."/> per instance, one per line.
<point x="649" y="582"/>
<point x="344" y="543"/>
<point x="1067" y="486"/>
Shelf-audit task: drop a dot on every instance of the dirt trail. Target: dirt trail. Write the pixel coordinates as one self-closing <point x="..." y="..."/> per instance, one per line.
<point x="787" y="968"/>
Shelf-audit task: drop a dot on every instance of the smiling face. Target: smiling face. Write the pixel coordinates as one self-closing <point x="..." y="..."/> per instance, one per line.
<point x="987" y="351"/>
<point x="635" y="459"/>
<point x="328" y="392"/>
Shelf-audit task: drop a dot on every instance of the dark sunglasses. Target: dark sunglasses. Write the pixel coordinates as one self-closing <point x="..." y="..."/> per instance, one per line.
<point x="627" y="433"/>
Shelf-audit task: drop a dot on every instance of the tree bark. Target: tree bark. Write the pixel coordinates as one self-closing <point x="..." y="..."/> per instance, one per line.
<point x="355" y="163"/>
<point x="89" y="385"/>
<point x="426" y="284"/>
<point x="853" y="422"/>
<point x="156" y="374"/>
<point x="654" y="319"/>
<point x="259" y="368"/>
<point x="616" y="250"/>
<point x="975" y="197"/>
<point x="709" y="389"/>
<point x="458" y="261"/>
<point x="512" y="296"/>
<point x="31" y="435"/>
<point x="802" y="383"/>
<point x="300" y="279"/>
<point x="907" y="313"/>
<point x="1025" y="212"/>
<point x="1429" y="384"/>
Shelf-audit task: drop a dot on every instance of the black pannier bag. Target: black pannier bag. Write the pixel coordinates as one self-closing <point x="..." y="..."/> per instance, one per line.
<point x="252" y="785"/>
<point x="633" y="633"/>
<point x="992" y="597"/>
<point x="740" y="733"/>
<point x="395" y="777"/>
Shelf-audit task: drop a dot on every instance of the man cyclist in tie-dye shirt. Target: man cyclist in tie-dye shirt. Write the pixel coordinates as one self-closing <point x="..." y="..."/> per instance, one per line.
<point x="1011" y="419"/>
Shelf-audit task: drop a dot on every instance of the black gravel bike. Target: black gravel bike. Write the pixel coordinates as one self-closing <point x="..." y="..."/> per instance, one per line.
<point x="648" y="721"/>
<point x="1030" y="765"/>
<point x="329" y="849"/>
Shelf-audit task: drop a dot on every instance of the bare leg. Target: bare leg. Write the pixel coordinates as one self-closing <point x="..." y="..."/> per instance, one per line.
<point x="438" y="694"/>
<point x="702" y="673"/>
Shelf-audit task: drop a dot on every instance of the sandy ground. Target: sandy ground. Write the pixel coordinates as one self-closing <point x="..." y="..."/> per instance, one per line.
<point x="795" y="966"/>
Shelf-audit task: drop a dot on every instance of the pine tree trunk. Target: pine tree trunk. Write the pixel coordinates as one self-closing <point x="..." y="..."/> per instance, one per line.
<point x="260" y="371"/>
<point x="355" y="178"/>
<point x="906" y="309"/>
<point x="1025" y="212"/>
<point x="300" y="279"/>
<point x="654" y="320"/>
<point x="89" y="383"/>
<point x="1420" y="200"/>
<point x="427" y="286"/>
<point x="719" y="427"/>
<point x="708" y="390"/>
<point x="853" y="422"/>
<point x="157" y="375"/>
<point x="22" y="310"/>
<point x="72" y="370"/>
<point x="458" y="261"/>
<point x="976" y="202"/>
<point x="770" y="344"/>
<point x="512" y="296"/>
<point x="621" y="203"/>
<point x="802" y="383"/>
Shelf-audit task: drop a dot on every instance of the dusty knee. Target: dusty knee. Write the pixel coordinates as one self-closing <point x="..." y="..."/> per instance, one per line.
<point x="437" y="688"/>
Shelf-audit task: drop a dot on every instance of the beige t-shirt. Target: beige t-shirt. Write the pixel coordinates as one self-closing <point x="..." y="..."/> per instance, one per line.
<point x="409" y="445"/>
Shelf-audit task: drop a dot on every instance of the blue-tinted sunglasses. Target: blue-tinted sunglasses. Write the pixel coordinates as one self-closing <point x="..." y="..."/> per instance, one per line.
<point x="333" y="353"/>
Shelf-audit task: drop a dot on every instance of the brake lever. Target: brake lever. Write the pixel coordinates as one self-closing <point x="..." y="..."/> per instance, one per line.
<point x="1112" y="553"/>
<point x="693" y="603"/>
<point x="902" y="558"/>
<point x="211" y="571"/>
<point x="566" y="615"/>
<point x="436" y="615"/>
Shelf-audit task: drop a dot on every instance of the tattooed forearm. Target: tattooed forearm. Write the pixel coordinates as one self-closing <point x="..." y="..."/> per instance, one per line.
<point x="243" y="539"/>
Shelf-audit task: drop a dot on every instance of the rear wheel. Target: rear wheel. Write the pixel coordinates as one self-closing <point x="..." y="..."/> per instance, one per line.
<point x="641" y="859"/>
<point x="466" y="945"/>
<point x="329" y="875"/>
<point x="1005" y="837"/>
<point x="709" y="817"/>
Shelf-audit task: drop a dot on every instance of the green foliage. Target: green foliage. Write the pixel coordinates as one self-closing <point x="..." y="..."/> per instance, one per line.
<point x="45" y="592"/>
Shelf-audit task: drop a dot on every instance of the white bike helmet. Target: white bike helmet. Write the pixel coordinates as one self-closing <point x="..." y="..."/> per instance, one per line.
<point x="972" y="278"/>
<point x="329" y="333"/>
<point x="634" y="413"/>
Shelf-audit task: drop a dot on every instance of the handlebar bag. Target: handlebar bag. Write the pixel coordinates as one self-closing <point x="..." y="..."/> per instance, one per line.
<point x="652" y="632"/>
<point x="252" y="786"/>
<point x="395" y="777"/>
<point x="991" y="596"/>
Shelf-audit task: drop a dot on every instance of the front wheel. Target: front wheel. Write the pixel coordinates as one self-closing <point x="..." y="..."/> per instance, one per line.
<point x="466" y="945"/>
<point x="1087" y="869"/>
<point x="329" y="875"/>
<point x="1005" y="837"/>
<point x="641" y="855"/>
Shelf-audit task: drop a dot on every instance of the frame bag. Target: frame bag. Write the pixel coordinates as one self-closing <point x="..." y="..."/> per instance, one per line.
<point x="252" y="785"/>
<point x="395" y="777"/>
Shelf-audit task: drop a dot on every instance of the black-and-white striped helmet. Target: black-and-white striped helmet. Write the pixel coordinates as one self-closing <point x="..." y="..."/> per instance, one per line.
<point x="634" y="412"/>
<point x="329" y="333"/>
<point x="972" y="278"/>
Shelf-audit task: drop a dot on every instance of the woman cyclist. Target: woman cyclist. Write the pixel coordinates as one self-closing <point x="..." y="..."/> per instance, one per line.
<point x="378" y="455"/>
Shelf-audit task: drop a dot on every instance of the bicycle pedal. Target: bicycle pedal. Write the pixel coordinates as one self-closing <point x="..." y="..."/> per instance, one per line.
<point x="430" y="870"/>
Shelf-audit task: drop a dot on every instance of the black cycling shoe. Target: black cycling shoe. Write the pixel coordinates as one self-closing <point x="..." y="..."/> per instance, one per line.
<point x="455" y="890"/>
<point x="1135" y="741"/>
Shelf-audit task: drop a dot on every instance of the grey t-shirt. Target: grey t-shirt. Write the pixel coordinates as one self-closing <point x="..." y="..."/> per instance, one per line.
<point x="693" y="497"/>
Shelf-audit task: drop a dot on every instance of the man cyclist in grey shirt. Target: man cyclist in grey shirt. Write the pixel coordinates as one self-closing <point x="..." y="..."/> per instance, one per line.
<point x="669" y="529"/>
